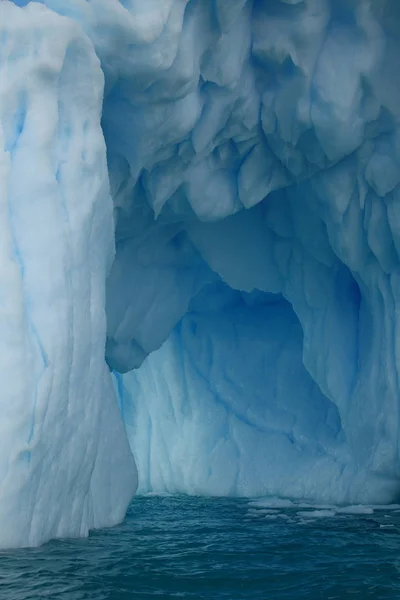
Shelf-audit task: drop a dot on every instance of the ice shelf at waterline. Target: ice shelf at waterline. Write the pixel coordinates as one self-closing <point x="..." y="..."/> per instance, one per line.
<point x="200" y="241"/>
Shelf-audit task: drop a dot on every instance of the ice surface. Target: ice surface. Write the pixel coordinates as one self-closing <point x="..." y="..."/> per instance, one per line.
<point x="289" y="511"/>
<point x="253" y="153"/>
<point x="65" y="464"/>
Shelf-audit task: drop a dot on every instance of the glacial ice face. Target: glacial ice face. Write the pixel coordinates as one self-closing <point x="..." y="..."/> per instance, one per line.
<point x="254" y="143"/>
<point x="65" y="463"/>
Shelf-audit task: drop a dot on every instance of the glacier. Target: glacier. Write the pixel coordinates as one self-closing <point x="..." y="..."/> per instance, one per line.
<point x="200" y="242"/>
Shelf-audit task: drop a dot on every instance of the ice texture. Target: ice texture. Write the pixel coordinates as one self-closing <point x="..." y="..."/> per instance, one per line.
<point x="240" y="415"/>
<point x="65" y="463"/>
<point x="248" y="163"/>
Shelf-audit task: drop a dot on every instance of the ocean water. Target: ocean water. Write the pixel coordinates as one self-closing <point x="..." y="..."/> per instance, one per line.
<point x="186" y="547"/>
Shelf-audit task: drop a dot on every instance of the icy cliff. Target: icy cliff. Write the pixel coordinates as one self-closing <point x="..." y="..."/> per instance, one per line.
<point x="228" y="207"/>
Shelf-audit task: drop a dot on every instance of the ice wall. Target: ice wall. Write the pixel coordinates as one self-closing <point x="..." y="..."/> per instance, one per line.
<point x="250" y="142"/>
<point x="65" y="463"/>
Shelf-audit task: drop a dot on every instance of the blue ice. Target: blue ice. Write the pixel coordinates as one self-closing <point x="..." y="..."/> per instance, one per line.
<point x="200" y="225"/>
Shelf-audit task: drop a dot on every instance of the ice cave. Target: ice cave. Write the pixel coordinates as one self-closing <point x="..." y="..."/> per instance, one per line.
<point x="200" y="244"/>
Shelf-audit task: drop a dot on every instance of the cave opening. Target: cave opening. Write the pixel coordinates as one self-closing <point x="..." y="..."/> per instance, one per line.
<point x="234" y="347"/>
<point x="226" y="407"/>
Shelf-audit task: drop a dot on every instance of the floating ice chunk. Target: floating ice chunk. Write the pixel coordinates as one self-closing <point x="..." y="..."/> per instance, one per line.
<point x="355" y="510"/>
<point x="273" y="502"/>
<point x="316" y="514"/>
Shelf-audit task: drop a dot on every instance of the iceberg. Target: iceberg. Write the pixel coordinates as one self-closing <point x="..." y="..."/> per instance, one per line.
<point x="200" y="242"/>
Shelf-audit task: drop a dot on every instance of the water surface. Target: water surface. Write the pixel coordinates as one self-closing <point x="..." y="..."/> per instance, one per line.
<point x="180" y="547"/>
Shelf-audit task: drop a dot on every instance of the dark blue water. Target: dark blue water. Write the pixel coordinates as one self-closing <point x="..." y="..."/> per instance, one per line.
<point x="216" y="548"/>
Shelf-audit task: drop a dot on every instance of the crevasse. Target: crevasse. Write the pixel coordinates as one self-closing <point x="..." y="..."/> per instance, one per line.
<point x="209" y="242"/>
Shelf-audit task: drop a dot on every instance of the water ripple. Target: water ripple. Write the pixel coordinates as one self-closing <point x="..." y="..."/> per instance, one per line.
<point x="180" y="547"/>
